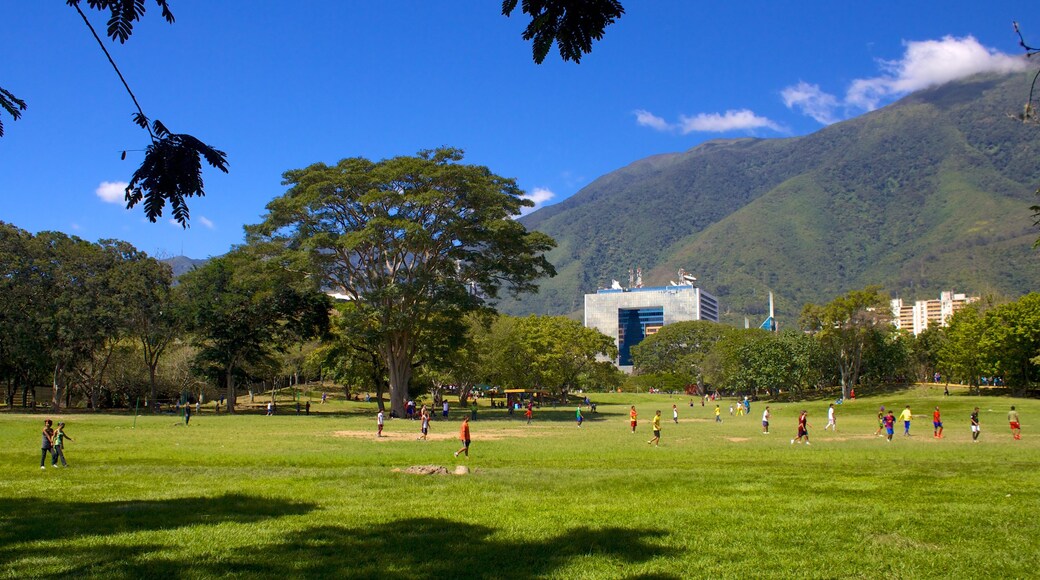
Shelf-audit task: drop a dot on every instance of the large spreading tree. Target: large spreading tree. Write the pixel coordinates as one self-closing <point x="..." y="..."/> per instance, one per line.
<point x="411" y="240"/>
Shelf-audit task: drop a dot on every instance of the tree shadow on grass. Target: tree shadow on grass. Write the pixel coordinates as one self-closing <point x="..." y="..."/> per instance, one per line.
<point x="29" y="519"/>
<point x="440" y="548"/>
<point x="410" y="548"/>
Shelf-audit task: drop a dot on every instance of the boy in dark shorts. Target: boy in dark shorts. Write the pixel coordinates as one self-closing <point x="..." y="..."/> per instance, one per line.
<point x="464" y="437"/>
<point x="803" y="428"/>
<point x="975" y="427"/>
<point x="47" y="444"/>
<point x="657" y="430"/>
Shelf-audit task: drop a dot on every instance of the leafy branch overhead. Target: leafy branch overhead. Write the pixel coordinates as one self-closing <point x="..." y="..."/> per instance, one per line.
<point x="12" y="104"/>
<point x="123" y="14"/>
<point x="171" y="171"/>
<point x="573" y="25"/>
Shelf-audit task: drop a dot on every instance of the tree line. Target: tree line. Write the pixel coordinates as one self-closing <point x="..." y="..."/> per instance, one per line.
<point x="104" y="325"/>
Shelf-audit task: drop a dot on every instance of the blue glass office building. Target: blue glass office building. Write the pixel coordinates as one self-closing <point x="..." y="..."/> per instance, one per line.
<point x="630" y="315"/>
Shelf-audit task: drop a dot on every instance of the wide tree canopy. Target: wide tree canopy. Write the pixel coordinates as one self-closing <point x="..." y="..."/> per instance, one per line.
<point x="413" y="240"/>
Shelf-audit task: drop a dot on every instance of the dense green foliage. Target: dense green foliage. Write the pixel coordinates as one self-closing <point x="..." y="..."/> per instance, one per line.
<point x="239" y="311"/>
<point x="66" y="305"/>
<point x="927" y="194"/>
<point x="999" y="341"/>
<point x="317" y="496"/>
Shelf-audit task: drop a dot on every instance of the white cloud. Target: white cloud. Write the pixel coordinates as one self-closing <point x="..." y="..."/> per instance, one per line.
<point x="742" y="120"/>
<point x="539" y="196"/>
<point x="174" y="223"/>
<point x="206" y="222"/>
<point x="112" y="191"/>
<point x="924" y="64"/>
<point x="75" y="226"/>
<point x="647" y="119"/>
<point x="732" y="120"/>
<point x="811" y="101"/>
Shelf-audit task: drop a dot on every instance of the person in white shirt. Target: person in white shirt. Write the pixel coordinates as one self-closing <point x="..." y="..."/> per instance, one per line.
<point x="830" y="419"/>
<point x="765" y="421"/>
<point x="379" y="424"/>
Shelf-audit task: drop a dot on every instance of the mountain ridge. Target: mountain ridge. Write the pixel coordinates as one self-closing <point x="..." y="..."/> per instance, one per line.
<point x="926" y="194"/>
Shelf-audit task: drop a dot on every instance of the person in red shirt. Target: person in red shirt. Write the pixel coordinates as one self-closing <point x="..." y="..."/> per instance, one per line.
<point x="803" y="428"/>
<point x="632" y="416"/>
<point x="936" y="424"/>
<point x="464" y="437"/>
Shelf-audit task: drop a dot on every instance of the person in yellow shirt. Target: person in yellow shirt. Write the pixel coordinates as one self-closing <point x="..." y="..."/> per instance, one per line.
<point x="906" y="416"/>
<point x="632" y="418"/>
<point x="657" y="430"/>
<point x="718" y="414"/>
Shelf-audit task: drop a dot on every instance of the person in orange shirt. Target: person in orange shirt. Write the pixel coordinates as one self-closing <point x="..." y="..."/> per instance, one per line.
<point x="936" y="424"/>
<point x="464" y="437"/>
<point x="632" y="415"/>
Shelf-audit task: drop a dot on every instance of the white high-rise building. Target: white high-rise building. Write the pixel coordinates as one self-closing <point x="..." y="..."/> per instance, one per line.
<point x="925" y="313"/>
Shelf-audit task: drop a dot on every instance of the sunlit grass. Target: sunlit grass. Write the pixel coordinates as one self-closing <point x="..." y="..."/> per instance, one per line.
<point x="317" y="496"/>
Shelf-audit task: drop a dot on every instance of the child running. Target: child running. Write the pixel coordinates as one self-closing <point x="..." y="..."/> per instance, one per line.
<point x="803" y="428"/>
<point x="578" y="417"/>
<point x="890" y="425"/>
<point x="464" y="437"/>
<point x="656" y="441"/>
<point x="529" y="414"/>
<point x="880" y="421"/>
<point x="936" y="424"/>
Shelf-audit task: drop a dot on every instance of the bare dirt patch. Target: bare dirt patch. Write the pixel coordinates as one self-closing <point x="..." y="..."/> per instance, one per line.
<point x="738" y="439"/>
<point x="423" y="470"/>
<point x="476" y="435"/>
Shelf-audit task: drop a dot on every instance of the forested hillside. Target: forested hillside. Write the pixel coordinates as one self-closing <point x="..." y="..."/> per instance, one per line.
<point x="929" y="193"/>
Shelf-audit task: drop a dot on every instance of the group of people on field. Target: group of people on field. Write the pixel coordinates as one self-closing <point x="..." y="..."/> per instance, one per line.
<point x="54" y="443"/>
<point x="887" y="421"/>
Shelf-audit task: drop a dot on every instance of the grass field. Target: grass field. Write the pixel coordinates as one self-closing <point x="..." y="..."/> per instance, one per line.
<point x="317" y="496"/>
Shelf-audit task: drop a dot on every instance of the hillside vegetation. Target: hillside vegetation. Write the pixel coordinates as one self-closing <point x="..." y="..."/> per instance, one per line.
<point x="927" y="194"/>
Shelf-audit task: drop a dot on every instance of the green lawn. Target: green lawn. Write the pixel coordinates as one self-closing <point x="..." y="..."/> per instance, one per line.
<point x="293" y="496"/>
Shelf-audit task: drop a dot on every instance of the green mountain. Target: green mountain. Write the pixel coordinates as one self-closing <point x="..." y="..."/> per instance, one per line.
<point x="930" y="193"/>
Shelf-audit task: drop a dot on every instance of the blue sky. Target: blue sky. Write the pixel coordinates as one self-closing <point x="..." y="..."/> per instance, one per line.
<point x="279" y="85"/>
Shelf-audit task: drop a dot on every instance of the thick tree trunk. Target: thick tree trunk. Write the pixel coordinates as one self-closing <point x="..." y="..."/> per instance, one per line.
<point x="58" y="387"/>
<point x="399" y="365"/>
<point x="152" y="399"/>
<point x="229" y="379"/>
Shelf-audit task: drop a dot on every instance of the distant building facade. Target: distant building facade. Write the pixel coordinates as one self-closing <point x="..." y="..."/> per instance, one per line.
<point x="925" y="313"/>
<point x="630" y="315"/>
